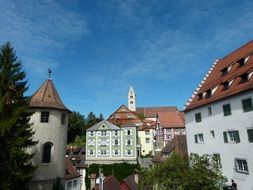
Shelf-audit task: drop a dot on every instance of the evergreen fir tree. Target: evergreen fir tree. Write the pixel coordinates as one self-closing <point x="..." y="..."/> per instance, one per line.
<point x="15" y="131"/>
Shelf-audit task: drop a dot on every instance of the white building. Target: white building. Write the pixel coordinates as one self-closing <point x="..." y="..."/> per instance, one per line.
<point x="107" y="143"/>
<point x="219" y="116"/>
<point x="50" y="124"/>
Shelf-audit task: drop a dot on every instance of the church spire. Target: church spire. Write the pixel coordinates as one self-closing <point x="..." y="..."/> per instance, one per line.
<point x="131" y="99"/>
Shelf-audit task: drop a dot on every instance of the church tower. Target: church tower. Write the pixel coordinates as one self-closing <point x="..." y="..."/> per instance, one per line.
<point x="131" y="99"/>
<point x="50" y="124"/>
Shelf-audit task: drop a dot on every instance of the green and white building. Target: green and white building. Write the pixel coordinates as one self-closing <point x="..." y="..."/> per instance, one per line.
<point x="107" y="143"/>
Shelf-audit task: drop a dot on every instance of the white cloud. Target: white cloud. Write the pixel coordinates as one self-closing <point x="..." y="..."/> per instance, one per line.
<point x="38" y="29"/>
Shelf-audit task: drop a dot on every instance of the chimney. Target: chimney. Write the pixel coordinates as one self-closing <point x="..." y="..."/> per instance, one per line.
<point x="92" y="180"/>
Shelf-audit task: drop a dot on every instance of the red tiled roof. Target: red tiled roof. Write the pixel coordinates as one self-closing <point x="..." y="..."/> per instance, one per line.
<point x="109" y="183"/>
<point x="70" y="170"/>
<point x="152" y="111"/>
<point x="123" y="116"/>
<point x="215" y="79"/>
<point x="177" y="144"/>
<point x="172" y="119"/>
<point x="47" y="97"/>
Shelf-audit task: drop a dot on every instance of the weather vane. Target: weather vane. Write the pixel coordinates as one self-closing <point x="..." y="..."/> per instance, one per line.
<point x="49" y="73"/>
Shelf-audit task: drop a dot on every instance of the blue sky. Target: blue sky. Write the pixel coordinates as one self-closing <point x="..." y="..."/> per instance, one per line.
<point x="98" y="49"/>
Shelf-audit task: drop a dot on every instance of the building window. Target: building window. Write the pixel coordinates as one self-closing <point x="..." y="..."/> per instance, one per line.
<point x="226" y="110"/>
<point x="128" y="152"/>
<point x="131" y="96"/>
<point x="199" y="138"/>
<point x="231" y="136"/>
<point x="241" y="62"/>
<point x="63" y="118"/>
<point x="212" y="133"/>
<point x="44" y="117"/>
<point x="75" y="183"/>
<point x="103" y="133"/>
<point x="209" y="111"/>
<point x="225" y="85"/>
<point x="247" y="105"/>
<point x="131" y="102"/>
<point x="200" y="96"/>
<point x="241" y="166"/>
<point x="91" y="152"/>
<point x="209" y="93"/>
<point x="46" y="158"/>
<point x="198" y="117"/>
<point x="103" y="152"/>
<point x="244" y="78"/>
<point x="116" y="133"/>
<point x="69" y="185"/>
<point x="91" y="133"/>
<point x="146" y="132"/>
<point x="147" y="140"/>
<point x="250" y="135"/>
<point x="116" y="142"/>
<point x="217" y="160"/>
<point x="116" y="152"/>
<point x="128" y="132"/>
<point x="128" y="142"/>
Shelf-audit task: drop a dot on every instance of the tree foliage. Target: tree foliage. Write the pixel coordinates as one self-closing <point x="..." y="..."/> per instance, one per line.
<point x="78" y="125"/>
<point x="119" y="170"/>
<point x="178" y="173"/>
<point x="15" y="131"/>
<point x="57" y="185"/>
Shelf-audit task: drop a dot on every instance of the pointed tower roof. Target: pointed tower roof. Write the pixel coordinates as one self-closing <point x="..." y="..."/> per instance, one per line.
<point x="47" y="97"/>
<point x="131" y="90"/>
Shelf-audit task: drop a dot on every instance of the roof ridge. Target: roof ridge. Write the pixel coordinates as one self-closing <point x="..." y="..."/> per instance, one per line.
<point x="201" y="83"/>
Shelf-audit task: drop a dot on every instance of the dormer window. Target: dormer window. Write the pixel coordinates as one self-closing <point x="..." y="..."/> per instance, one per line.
<point x="224" y="71"/>
<point x="208" y="94"/>
<point x="200" y="96"/>
<point x="244" y="78"/>
<point x="225" y="85"/>
<point x="241" y="62"/>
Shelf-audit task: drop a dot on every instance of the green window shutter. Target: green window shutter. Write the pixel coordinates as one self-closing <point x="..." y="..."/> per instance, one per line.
<point x="237" y="137"/>
<point x="225" y="136"/>
<point x="196" y="138"/>
<point x="250" y="135"/>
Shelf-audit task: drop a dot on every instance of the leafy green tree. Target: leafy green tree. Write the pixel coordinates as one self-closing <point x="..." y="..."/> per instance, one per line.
<point x="77" y="126"/>
<point x="15" y="130"/>
<point x="57" y="185"/>
<point x="80" y="140"/>
<point x="91" y="119"/>
<point x="178" y="173"/>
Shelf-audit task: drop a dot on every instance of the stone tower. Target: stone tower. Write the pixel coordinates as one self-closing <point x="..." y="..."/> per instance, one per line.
<point x="131" y="99"/>
<point x="50" y="124"/>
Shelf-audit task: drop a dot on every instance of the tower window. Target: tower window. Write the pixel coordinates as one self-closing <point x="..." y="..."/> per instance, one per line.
<point x="63" y="118"/>
<point x="131" y="96"/>
<point x="131" y="102"/>
<point x="47" y="152"/>
<point x="44" y="117"/>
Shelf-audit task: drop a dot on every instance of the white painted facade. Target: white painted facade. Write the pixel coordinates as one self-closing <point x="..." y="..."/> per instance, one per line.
<point x="55" y="133"/>
<point x="146" y="140"/>
<point x="102" y="148"/>
<point x="211" y="129"/>
<point x="73" y="184"/>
